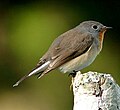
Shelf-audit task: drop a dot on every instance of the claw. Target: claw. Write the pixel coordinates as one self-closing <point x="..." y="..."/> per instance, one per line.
<point x="73" y="74"/>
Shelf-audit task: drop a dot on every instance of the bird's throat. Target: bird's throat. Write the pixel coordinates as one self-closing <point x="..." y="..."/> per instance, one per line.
<point x="101" y="37"/>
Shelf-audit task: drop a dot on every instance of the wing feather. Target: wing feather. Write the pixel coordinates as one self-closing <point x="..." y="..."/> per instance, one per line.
<point x="66" y="47"/>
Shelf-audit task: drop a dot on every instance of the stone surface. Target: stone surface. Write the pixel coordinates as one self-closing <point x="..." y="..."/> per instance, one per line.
<point x="95" y="91"/>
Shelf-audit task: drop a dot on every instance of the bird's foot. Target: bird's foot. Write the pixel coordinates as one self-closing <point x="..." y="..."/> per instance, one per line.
<point x="73" y="74"/>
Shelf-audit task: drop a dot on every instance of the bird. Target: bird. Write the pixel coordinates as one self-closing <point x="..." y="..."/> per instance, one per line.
<point x="71" y="51"/>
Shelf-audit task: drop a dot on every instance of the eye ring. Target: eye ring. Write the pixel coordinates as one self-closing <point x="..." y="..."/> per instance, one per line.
<point x="95" y="27"/>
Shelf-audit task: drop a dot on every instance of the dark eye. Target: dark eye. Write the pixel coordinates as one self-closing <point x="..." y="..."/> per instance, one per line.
<point x="95" y="27"/>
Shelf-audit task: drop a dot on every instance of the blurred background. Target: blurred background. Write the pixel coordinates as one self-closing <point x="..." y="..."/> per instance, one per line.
<point x="28" y="27"/>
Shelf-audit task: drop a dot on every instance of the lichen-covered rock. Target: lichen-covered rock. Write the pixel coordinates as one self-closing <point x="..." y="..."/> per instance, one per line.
<point x="95" y="91"/>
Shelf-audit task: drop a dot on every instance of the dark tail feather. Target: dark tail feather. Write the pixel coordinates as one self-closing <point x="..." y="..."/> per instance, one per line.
<point x="35" y="71"/>
<point x="18" y="82"/>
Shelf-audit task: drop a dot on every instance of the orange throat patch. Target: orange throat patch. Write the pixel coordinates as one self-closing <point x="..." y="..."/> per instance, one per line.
<point x="101" y="37"/>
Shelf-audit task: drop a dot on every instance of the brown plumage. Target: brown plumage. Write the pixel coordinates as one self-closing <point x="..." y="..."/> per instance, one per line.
<point x="78" y="43"/>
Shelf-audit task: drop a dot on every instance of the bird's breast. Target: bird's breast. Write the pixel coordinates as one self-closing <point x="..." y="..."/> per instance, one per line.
<point x="81" y="61"/>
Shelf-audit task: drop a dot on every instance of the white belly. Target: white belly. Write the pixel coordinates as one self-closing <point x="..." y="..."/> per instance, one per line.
<point x="81" y="61"/>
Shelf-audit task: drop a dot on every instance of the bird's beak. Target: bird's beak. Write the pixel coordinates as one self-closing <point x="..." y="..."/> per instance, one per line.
<point x="108" y="27"/>
<point x="104" y="28"/>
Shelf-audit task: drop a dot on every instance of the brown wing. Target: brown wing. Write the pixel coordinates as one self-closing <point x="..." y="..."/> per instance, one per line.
<point x="66" y="47"/>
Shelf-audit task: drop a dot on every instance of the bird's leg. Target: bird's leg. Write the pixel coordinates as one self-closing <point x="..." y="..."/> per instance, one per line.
<point x="73" y="74"/>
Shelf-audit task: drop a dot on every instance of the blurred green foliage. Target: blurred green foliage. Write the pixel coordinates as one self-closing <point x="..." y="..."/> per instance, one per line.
<point x="27" y="28"/>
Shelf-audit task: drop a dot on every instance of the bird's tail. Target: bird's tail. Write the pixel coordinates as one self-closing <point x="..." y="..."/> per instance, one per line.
<point x="38" y="69"/>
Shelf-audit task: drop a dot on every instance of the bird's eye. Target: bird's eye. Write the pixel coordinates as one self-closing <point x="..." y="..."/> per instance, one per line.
<point x="95" y="27"/>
